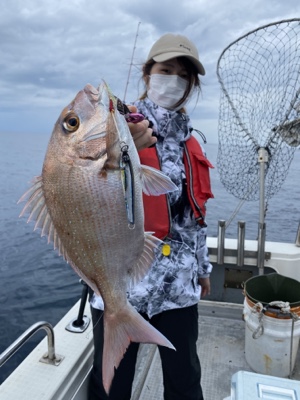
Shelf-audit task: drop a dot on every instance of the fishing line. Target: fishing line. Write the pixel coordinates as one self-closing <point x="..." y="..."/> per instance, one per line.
<point x="94" y="326"/>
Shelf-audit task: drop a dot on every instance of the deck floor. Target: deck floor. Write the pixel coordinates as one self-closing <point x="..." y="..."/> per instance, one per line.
<point x="221" y="349"/>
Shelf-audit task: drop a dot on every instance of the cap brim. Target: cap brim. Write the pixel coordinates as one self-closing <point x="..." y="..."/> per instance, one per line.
<point x="173" y="54"/>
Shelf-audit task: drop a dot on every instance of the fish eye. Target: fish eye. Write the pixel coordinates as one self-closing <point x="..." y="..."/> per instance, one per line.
<point x="71" y="123"/>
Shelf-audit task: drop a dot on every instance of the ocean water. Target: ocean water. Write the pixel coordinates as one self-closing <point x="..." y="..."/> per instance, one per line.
<point x="36" y="284"/>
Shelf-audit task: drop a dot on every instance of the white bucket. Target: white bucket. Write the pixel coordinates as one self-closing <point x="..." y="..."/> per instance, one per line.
<point x="270" y="353"/>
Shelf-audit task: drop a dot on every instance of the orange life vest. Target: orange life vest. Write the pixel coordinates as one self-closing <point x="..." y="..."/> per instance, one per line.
<point x="157" y="208"/>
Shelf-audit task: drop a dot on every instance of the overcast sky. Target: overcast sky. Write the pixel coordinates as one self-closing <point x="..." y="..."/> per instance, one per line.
<point x="49" y="49"/>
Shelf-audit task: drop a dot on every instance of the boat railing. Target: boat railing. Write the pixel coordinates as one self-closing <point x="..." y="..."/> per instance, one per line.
<point x="81" y="322"/>
<point x="77" y="325"/>
<point x="221" y="241"/>
<point x="297" y="242"/>
<point x="50" y="357"/>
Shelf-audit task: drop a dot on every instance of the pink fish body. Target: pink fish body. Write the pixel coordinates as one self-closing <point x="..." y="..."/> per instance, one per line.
<point x="88" y="201"/>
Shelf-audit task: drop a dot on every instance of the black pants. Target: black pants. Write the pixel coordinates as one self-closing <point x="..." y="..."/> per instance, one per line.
<point x="181" y="368"/>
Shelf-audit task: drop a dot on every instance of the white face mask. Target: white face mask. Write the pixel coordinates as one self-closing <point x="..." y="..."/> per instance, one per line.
<point x="166" y="90"/>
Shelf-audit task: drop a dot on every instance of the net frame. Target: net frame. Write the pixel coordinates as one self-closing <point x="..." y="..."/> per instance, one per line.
<point x="259" y="75"/>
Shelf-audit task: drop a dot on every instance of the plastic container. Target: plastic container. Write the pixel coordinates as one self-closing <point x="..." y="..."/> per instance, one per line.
<point x="248" y="385"/>
<point x="271" y="336"/>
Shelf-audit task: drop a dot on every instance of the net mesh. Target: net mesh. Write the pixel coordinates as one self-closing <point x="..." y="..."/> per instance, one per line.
<point x="259" y="75"/>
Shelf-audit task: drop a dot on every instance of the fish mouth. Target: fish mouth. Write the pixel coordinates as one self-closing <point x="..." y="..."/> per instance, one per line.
<point x="94" y="95"/>
<point x="98" y="132"/>
<point x="91" y="92"/>
<point x="94" y="157"/>
<point x="94" y="136"/>
<point x="87" y="142"/>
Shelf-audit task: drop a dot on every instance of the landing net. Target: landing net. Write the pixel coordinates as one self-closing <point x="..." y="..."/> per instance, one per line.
<point x="259" y="74"/>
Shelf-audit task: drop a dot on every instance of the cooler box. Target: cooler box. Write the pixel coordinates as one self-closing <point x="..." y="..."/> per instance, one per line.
<point x="251" y="386"/>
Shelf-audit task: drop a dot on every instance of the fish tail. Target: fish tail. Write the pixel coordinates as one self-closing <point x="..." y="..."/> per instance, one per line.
<point x="120" y="329"/>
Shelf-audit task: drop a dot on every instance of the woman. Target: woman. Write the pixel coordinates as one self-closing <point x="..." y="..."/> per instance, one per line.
<point x="169" y="293"/>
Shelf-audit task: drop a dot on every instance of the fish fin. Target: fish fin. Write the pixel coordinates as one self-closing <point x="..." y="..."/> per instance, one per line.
<point x="154" y="182"/>
<point x="146" y="259"/>
<point x="120" y="329"/>
<point x="38" y="212"/>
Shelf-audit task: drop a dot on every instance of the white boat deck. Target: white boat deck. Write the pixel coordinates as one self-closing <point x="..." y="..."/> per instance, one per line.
<point x="221" y="349"/>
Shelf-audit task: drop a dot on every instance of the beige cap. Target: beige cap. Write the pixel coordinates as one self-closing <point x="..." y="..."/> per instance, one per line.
<point x="171" y="46"/>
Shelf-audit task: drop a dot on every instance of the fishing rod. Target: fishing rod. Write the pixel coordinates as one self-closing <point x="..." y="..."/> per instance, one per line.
<point x="131" y="62"/>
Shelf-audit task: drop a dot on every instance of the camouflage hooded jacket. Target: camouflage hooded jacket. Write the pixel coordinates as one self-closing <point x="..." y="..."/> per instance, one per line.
<point x="172" y="281"/>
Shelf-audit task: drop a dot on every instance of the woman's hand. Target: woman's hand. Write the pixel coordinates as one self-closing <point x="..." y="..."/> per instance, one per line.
<point x="205" y="286"/>
<point x="141" y="133"/>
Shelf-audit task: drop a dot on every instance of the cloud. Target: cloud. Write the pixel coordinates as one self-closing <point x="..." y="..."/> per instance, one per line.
<point x="50" y="49"/>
